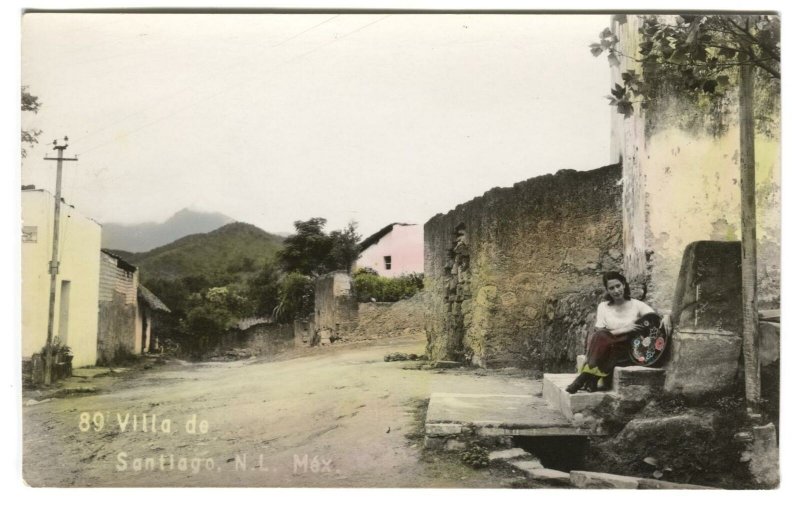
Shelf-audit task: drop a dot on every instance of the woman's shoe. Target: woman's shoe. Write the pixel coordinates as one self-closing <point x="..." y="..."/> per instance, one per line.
<point x="578" y="383"/>
<point x="591" y="384"/>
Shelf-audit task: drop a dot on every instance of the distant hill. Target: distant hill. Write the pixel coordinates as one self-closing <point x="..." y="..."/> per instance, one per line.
<point x="146" y="236"/>
<point x="236" y="248"/>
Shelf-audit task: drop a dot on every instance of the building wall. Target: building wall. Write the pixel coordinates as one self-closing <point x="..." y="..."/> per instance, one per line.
<point x="79" y="252"/>
<point x="335" y="306"/>
<point x="682" y="185"/>
<point x="405" y="244"/>
<point x="118" y="309"/>
<point x="505" y="269"/>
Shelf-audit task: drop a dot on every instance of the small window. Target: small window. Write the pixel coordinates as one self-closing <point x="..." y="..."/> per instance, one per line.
<point x="387" y="262"/>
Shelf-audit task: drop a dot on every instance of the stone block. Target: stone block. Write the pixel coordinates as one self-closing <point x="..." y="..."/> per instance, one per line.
<point x="637" y="382"/>
<point x="454" y="445"/>
<point x="595" y="480"/>
<point x="702" y="361"/>
<point x="708" y="294"/>
<point x="639" y="431"/>
<point x="442" y="429"/>
<point x="434" y="442"/>
<point x="527" y="465"/>
<point x="508" y="454"/>
<point x="638" y="376"/>
<point x="769" y="347"/>
<point x="549" y="475"/>
<point x="764" y="459"/>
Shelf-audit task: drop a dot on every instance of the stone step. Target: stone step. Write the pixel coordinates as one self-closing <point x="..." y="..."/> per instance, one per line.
<point x="576" y="407"/>
<point x="651" y="379"/>
<point x="508" y="454"/>
<point x="529" y="465"/>
<point x="549" y="475"/>
<point x="597" y="480"/>
<point x="631" y="382"/>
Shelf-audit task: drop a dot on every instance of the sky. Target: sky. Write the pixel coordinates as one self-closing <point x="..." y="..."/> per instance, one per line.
<point x="271" y="118"/>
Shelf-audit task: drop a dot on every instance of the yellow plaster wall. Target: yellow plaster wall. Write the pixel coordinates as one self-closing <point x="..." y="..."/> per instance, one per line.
<point x="80" y="264"/>
<point x="692" y="193"/>
<point x="680" y="187"/>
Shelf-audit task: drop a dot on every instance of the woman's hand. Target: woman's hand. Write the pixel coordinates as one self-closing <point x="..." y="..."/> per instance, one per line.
<point x="666" y="322"/>
<point x="627" y="329"/>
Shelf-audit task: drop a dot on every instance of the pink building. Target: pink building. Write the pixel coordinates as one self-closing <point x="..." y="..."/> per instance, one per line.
<point x="396" y="249"/>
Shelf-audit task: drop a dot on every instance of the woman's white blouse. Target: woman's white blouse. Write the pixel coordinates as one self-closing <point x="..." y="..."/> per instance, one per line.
<point x="614" y="317"/>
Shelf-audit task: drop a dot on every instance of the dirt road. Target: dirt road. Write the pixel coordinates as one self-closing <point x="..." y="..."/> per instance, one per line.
<point x="338" y="416"/>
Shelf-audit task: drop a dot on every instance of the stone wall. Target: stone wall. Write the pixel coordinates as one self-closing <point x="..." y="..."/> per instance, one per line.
<point x="262" y="339"/>
<point x="514" y="275"/>
<point x="335" y="306"/>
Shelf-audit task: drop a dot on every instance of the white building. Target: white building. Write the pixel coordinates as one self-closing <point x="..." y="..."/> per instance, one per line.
<point x="395" y="250"/>
<point x="77" y="285"/>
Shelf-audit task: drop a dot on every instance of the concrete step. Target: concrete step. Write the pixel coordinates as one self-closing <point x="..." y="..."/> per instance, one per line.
<point x="628" y="382"/>
<point x="530" y="465"/>
<point x="580" y="404"/>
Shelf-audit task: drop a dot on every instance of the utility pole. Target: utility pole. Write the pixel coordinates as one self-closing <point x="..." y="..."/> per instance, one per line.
<point x="48" y="348"/>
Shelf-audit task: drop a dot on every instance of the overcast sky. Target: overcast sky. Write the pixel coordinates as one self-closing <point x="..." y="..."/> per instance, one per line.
<point x="272" y="118"/>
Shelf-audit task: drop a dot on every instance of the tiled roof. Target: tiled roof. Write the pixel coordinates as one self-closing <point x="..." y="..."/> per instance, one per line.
<point x="152" y="300"/>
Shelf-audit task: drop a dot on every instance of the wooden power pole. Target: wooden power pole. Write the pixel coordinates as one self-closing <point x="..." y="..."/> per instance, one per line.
<point x="48" y="348"/>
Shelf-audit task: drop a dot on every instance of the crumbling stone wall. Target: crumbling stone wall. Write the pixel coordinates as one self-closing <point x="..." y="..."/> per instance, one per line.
<point x="514" y="275"/>
<point x="265" y="339"/>
<point x="335" y="306"/>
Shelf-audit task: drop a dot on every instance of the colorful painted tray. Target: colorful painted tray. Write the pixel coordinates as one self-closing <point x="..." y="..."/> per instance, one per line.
<point x="649" y="344"/>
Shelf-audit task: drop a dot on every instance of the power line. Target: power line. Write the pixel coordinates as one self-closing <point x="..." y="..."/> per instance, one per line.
<point x="186" y="88"/>
<point x="275" y="67"/>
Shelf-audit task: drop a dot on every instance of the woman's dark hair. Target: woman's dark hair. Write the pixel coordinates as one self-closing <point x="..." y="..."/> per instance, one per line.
<point x="616" y="276"/>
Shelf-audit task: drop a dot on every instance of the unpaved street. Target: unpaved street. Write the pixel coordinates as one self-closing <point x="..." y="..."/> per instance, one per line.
<point x="338" y="416"/>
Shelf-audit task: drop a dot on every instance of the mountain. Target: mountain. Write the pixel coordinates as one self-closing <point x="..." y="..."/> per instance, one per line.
<point x="236" y="248"/>
<point x="146" y="236"/>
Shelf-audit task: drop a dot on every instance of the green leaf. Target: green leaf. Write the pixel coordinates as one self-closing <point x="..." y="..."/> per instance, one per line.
<point x="723" y="80"/>
<point x="596" y="49"/>
<point x="606" y="33"/>
<point x="710" y="85"/>
<point x="727" y="52"/>
<point x="625" y="108"/>
<point x="618" y="91"/>
<point x="613" y="60"/>
<point x="621" y="18"/>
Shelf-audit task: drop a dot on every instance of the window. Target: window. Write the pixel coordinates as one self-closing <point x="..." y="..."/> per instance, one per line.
<point x="387" y="262"/>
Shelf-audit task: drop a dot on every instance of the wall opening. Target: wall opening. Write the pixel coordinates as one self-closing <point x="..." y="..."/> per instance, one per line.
<point x="387" y="262"/>
<point x="63" y="312"/>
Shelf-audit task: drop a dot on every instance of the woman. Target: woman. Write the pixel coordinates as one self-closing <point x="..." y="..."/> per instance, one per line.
<point x="608" y="344"/>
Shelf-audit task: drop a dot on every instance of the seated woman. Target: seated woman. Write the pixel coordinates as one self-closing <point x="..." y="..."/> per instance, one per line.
<point x="616" y="320"/>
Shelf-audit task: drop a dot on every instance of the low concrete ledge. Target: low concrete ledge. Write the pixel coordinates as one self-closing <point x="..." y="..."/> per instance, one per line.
<point x="596" y="480"/>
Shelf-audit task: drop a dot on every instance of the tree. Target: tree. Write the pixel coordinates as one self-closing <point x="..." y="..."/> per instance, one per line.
<point x="344" y="248"/>
<point x="30" y="103"/>
<point x="307" y="250"/>
<point x="310" y="251"/>
<point x="264" y="288"/>
<point x="703" y="56"/>
<point x="296" y="298"/>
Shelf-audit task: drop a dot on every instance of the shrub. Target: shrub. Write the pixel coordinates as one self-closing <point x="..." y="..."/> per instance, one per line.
<point x="371" y="287"/>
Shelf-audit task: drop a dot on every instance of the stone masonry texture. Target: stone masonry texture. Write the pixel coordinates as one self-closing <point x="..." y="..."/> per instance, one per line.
<point x="514" y="276"/>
